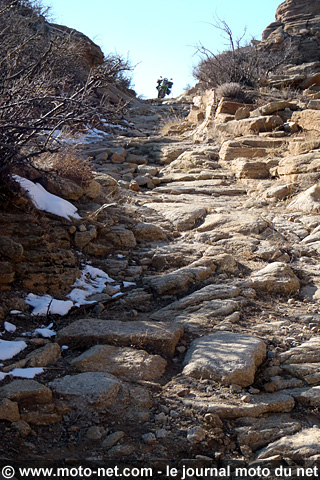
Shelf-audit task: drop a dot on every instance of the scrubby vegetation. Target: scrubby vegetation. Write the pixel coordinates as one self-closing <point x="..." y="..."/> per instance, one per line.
<point x="242" y="62"/>
<point x="46" y="83"/>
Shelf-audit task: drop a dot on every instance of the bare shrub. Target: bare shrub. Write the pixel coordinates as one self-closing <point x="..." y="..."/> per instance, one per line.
<point x="234" y="91"/>
<point x="240" y="63"/>
<point x="45" y="84"/>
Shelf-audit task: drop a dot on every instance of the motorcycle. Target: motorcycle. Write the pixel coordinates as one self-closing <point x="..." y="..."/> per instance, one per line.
<point x="164" y="87"/>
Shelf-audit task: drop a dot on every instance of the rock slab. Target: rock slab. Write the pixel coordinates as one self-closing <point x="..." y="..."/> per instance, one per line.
<point x="159" y="336"/>
<point x="121" y="361"/>
<point x="225" y="357"/>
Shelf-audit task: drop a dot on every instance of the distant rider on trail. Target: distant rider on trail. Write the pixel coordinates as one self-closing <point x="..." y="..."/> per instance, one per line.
<point x="164" y="87"/>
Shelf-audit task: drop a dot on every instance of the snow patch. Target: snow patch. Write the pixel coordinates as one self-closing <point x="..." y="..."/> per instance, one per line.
<point x="92" y="281"/>
<point x="43" y="200"/>
<point x="29" y="372"/>
<point x="128" y="284"/>
<point x="9" y="327"/>
<point x="9" y="349"/>
<point x="45" y="304"/>
<point x="45" y="332"/>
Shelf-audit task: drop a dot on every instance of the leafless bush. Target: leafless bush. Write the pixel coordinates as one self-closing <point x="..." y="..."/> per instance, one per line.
<point x="45" y="84"/>
<point x="243" y="64"/>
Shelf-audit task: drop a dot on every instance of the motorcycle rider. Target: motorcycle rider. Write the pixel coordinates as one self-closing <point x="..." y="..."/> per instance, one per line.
<point x="164" y="83"/>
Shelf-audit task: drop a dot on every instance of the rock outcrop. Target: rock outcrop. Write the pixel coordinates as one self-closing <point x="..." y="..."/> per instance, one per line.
<point x="296" y="27"/>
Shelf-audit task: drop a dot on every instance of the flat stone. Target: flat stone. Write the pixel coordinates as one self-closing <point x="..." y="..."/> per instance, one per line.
<point x="259" y="404"/>
<point x="180" y="280"/>
<point x="199" y="187"/>
<point x="307" y="352"/>
<point x="309" y="397"/>
<point x="298" y="447"/>
<point x="225" y="357"/>
<point x="28" y="391"/>
<point x="261" y="431"/>
<point x="309" y="372"/>
<point x="120" y="361"/>
<point x="182" y="216"/>
<point x="156" y="335"/>
<point x="246" y="126"/>
<point x="41" y="418"/>
<point x="273" y="107"/>
<point x="296" y="167"/>
<point x="244" y="168"/>
<point x="148" y="232"/>
<point x="242" y="222"/>
<point x="277" y="277"/>
<point x="96" y="389"/>
<point x="112" y="439"/>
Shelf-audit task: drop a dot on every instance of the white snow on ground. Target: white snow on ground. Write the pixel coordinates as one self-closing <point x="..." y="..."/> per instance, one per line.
<point x="92" y="281"/>
<point x="46" y="201"/>
<point x="92" y="135"/>
<point x="29" y="372"/>
<point x="45" y="332"/>
<point x="128" y="284"/>
<point x="9" y="327"/>
<point x="9" y="349"/>
<point x="45" y="304"/>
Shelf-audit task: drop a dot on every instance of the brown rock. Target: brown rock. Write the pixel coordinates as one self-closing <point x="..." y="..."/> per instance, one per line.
<point x="148" y="232"/>
<point x="10" y="249"/>
<point x="9" y="410"/>
<point x="241" y="113"/>
<point x="121" y="361"/>
<point x="277" y="277"/>
<point x="28" y="391"/>
<point x="308" y="120"/>
<point x="7" y="273"/>
<point x="244" y="168"/>
<point x="41" y="357"/>
<point x="250" y="125"/>
<point x="259" y="404"/>
<point x="82" y="239"/>
<point x="228" y="106"/>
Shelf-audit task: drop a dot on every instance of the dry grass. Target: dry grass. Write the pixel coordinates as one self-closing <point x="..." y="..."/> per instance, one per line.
<point x="70" y="165"/>
<point x="173" y="126"/>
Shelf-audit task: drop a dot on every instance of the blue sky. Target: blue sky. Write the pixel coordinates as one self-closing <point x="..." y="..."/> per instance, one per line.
<point x="160" y="36"/>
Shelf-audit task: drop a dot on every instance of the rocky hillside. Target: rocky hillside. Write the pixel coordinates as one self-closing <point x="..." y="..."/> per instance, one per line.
<point x="171" y="321"/>
<point x="297" y="24"/>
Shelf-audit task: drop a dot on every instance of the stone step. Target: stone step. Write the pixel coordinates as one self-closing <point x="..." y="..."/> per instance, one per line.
<point x="158" y="336"/>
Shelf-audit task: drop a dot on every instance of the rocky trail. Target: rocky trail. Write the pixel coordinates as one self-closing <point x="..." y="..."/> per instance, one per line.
<point x="208" y="352"/>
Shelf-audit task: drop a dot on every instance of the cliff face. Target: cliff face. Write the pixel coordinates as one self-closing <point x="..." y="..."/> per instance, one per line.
<point x="296" y="26"/>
